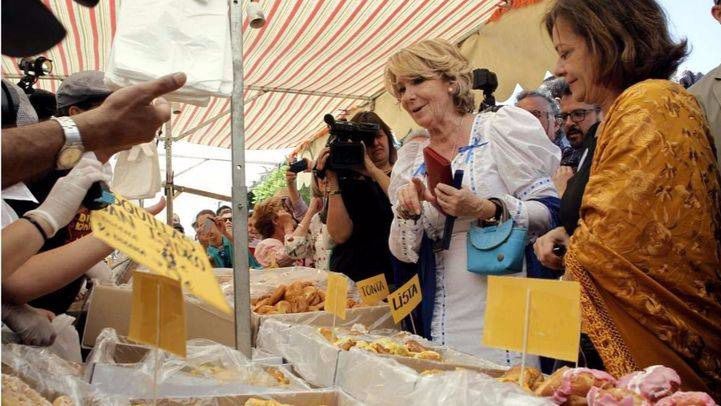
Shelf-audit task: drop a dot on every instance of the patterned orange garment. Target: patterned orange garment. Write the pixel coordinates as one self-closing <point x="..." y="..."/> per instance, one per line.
<point x="647" y="251"/>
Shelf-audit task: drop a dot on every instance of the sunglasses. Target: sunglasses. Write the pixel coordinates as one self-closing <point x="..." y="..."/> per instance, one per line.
<point x="577" y="115"/>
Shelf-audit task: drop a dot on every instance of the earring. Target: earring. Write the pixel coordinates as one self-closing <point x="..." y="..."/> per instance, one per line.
<point x="450" y="90"/>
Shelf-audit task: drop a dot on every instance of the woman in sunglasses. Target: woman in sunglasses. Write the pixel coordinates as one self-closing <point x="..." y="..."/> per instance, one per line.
<point x="647" y="249"/>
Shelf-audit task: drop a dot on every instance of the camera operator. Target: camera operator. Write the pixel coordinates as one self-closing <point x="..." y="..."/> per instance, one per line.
<point x="359" y="212"/>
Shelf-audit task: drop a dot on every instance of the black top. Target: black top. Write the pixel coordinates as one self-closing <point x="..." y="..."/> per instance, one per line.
<point x="59" y="301"/>
<point x="366" y="252"/>
<point x="571" y="200"/>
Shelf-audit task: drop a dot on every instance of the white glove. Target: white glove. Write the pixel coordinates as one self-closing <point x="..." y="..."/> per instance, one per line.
<point x="32" y="325"/>
<point x="62" y="203"/>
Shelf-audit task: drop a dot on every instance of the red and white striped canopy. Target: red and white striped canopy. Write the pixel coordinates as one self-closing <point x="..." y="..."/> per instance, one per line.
<point x="311" y="58"/>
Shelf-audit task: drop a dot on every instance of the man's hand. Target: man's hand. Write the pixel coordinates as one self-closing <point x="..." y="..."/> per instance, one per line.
<point x="129" y="116"/>
<point x="561" y="177"/>
<point x="543" y="247"/>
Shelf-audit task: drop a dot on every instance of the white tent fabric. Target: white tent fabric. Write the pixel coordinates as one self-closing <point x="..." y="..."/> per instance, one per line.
<point x="311" y="58"/>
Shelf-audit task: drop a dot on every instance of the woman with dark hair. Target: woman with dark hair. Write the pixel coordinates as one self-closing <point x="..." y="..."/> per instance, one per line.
<point x="647" y="249"/>
<point x="273" y="219"/>
<point x="359" y="212"/>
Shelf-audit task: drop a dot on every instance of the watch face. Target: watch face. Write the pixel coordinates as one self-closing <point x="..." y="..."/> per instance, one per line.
<point x="69" y="157"/>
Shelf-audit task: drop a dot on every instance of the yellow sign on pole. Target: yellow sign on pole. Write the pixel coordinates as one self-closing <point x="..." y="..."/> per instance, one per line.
<point x="545" y="312"/>
<point x="373" y="289"/>
<point x="405" y="299"/>
<point x="157" y="315"/>
<point x="132" y="230"/>
<point x="337" y="295"/>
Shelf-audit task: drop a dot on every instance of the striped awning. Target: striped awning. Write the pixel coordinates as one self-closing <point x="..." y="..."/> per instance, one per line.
<point x="311" y="58"/>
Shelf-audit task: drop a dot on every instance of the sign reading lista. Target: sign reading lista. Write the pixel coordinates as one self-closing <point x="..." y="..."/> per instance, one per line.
<point x="132" y="230"/>
<point x="405" y="299"/>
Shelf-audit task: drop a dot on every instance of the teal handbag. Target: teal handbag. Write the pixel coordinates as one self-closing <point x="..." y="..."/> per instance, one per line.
<point x="496" y="249"/>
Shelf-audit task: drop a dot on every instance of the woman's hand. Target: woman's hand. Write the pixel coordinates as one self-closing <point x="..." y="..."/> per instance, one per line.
<point x="321" y="164"/>
<point x="316" y="205"/>
<point x="543" y="247"/>
<point x="462" y="202"/>
<point x="410" y="197"/>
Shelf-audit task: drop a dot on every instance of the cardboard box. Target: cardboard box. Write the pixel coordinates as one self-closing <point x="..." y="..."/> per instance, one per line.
<point x="110" y="307"/>
<point x="317" y="361"/>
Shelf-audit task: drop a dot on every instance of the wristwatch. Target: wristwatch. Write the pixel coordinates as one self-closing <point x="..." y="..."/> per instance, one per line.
<point x="73" y="149"/>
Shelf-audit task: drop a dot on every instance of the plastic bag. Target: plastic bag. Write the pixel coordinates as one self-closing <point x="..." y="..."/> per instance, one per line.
<point x="165" y="36"/>
<point x="67" y="341"/>
<point x="52" y="376"/>
<point x="315" y="359"/>
<point x="366" y="376"/>
<point x="137" y="172"/>
<point x="210" y="369"/>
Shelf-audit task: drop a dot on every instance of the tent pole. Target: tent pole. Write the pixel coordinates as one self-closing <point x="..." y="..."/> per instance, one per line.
<point x="169" y="169"/>
<point x="241" y="276"/>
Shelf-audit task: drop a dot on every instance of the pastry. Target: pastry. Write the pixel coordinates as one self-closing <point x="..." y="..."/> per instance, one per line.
<point x="264" y="402"/>
<point x="315" y="308"/>
<point x="327" y="334"/>
<point x="653" y="383"/>
<point x="614" y="397"/>
<point x="550" y="384"/>
<point x="298" y="304"/>
<point x="415" y="346"/>
<point x="428" y="355"/>
<point x="577" y="382"/>
<point x="277" y="295"/>
<point x="283" y="307"/>
<point x="687" y="399"/>
<point x="266" y="309"/>
<point x="532" y="377"/>
<point x="278" y="375"/>
<point x="17" y="392"/>
<point x="346" y="343"/>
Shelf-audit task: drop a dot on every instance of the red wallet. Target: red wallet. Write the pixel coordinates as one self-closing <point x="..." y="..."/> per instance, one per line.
<point x="438" y="169"/>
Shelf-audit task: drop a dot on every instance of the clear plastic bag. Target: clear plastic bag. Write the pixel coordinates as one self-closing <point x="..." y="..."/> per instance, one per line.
<point x="366" y="377"/>
<point x="210" y="369"/>
<point x="52" y="376"/>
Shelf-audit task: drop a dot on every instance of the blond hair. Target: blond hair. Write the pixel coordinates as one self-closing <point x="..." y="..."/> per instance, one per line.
<point x="431" y="59"/>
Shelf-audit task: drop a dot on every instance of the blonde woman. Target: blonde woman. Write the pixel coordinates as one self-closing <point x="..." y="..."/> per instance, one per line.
<point x="505" y="155"/>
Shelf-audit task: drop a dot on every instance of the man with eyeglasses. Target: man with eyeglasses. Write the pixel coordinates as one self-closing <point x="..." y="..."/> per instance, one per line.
<point x="546" y="110"/>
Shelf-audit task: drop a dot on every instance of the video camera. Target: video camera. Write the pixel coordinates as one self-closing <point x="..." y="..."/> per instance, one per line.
<point x="487" y="81"/>
<point x="346" y="150"/>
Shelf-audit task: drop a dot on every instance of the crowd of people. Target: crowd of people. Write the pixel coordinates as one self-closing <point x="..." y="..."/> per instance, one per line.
<point x="610" y="168"/>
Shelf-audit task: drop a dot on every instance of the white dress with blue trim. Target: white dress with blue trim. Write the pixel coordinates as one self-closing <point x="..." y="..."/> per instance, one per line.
<point x="509" y="157"/>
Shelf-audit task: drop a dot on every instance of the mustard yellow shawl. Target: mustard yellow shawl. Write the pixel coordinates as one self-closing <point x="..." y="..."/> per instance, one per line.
<point x="647" y="251"/>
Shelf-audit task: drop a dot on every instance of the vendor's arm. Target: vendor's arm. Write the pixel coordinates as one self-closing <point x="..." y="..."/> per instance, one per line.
<point x="51" y="270"/>
<point x="20" y="240"/>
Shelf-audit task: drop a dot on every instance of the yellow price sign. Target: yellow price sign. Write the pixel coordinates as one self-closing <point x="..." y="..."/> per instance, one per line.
<point x="373" y="289"/>
<point x="337" y="294"/>
<point x="157" y="314"/>
<point x="147" y="241"/>
<point x="405" y="299"/>
<point x="546" y="312"/>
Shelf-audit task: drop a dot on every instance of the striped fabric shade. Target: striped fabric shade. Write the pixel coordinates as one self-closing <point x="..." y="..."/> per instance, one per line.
<point x="311" y="58"/>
